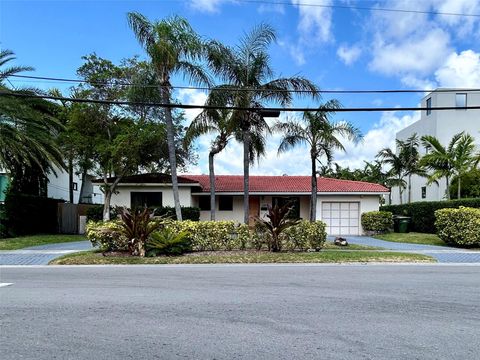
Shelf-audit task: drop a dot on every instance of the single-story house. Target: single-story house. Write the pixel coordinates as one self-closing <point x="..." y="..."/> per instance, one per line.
<point x="340" y="203"/>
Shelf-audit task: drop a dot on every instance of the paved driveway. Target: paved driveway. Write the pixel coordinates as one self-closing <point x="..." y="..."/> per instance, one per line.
<point x="41" y="255"/>
<point x="327" y="312"/>
<point x="441" y="253"/>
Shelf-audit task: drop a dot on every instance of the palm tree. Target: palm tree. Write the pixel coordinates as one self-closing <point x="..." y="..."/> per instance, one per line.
<point x="212" y="121"/>
<point x="28" y="125"/>
<point x="173" y="47"/>
<point x="408" y="152"/>
<point x="321" y="135"/>
<point x="456" y="159"/>
<point x="250" y="83"/>
<point x="396" y="171"/>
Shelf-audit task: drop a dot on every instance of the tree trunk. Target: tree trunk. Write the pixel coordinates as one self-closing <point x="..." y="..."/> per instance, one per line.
<point x="448" y="187"/>
<point x="70" y="181"/>
<point x="82" y="187"/>
<point x="409" y="188"/>
<point x="211" y="172"/>
<point x="459" y="190"/>
<point x="106" y="204"/>
<point x="246" y="175"/>
<point x="313" y="195"/>
<point x="165" y="91"/>
<point x="400" y="192"/>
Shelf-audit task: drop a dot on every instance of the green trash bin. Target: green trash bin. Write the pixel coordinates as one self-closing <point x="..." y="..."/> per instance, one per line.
<point x="401" y="224"/>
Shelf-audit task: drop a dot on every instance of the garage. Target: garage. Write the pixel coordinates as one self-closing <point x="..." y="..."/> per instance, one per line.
<point x="342" y="218"/>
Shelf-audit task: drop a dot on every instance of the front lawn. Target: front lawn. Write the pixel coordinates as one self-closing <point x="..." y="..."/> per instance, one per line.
<point x="413" y="238"/>
<point x="244" y="257"/>
<point x="34" y="240"/>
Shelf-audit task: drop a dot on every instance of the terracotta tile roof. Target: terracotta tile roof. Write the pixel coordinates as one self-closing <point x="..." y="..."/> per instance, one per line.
<point x="274" y="184"/>
<point x="149" y="178"/>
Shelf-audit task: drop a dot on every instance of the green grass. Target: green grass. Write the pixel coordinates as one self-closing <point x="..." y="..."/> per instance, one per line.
<point x="329" y="245"/>
<point x="331" y="256"/>
<point x="34" y="240"/>
<point x="413" y="238"/>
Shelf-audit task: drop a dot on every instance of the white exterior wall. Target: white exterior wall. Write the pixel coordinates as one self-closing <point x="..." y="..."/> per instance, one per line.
<point x="122" y="198"/>
<point x="367" y="203"/>
<point x="443" y="125"/>
<point x="236" y="214"/>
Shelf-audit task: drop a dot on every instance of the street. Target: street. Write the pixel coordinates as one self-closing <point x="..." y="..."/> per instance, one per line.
<point x="241" y="312"/>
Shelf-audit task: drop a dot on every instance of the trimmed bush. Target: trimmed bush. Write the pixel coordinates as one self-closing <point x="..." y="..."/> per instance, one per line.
<point x="168" y="242"/>
<point x="423" y="213"/>
<point x="460" y="227"/>
<point x="304" y="236"/>
<point x="188" y="212"/>
<point x="377" y="222"/>
<point x="107" y="235"/>
<point x="28" y="214"/>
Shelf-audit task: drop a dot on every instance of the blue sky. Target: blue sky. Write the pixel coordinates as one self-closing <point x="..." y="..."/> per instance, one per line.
<point x="337" y="48"/>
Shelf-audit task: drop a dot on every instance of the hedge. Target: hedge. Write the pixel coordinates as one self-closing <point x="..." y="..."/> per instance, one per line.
<point x="377" y="222"/>
<point x="3" y="227"/>
<point x="188" y="212"/>
<point x="28" y="214"/>
<point x="460" y="227"/>
<point x="423" y="213"/>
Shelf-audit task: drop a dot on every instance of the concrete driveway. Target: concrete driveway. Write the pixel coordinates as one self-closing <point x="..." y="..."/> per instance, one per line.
<point x="241" y="312"/>
<point x="41" y="255"/>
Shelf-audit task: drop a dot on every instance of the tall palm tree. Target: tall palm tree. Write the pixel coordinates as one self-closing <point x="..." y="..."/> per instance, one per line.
<point x="212" y="121"/>
<point x="321" y="135"/>
<point x="173" y="47"/>
<point x="250" y="83"/>
<point x="396" y="171"/>
<point x="28" y="126"/>
<point x="456" y="159"/>
<point x="410" y="155"/>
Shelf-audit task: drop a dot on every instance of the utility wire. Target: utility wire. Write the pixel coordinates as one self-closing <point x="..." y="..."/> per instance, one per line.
<point x="353" y="7"/>
<point x="240" y="108"/>
<point x="373" y="91"/>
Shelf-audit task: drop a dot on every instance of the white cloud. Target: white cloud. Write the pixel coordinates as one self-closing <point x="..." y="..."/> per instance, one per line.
<point x="315" y="22"/>
<point x="349" y="54"/>
<point x="271" y="8"/>
<point x="460" y="70"/>
<point x="208" y="6"/>
<point x="191" y="97"/>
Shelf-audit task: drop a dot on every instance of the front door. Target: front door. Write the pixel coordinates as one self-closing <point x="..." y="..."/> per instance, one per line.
<point x="254" y="206"/>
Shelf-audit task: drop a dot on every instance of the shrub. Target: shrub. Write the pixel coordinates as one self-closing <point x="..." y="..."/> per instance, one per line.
<point x="28" y="214"/>
<point x="423" y="213"/>
<point x="3" y="227"/>
<point x="304" y="236"/>
<point x="107" y="235"/>
<point x="95" y="213"/>
<point x="168" y="242"/>
<point x="377" y="222"/>
<point x="459" y="227"/>
<point x="188" y="213"/>
<point x="137" y="225"/>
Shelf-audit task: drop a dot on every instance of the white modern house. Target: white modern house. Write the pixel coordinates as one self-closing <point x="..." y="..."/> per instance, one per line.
<point x="340" y="203"/>
<point x="442" y="124"/>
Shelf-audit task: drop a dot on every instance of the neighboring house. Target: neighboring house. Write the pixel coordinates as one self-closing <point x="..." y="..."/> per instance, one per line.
<point x="340" y="203"/>
<point x="443" y="125"/>
<point x="57" y="187"/>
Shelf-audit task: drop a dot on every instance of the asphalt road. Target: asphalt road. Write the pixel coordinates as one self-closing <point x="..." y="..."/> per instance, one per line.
<point x="241" y="312"/>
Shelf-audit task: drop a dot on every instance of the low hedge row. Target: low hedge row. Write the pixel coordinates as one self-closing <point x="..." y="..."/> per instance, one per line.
<point x="423" y="213"/>
<point x="460" y="227"/>
<point x="214" y="235"/>
<point x="377" y="222"/>
<point x="95" y="213"/>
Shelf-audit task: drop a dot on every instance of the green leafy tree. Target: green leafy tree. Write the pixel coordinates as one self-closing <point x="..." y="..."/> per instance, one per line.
<point x="249" y="83"/>
<point x="321" y="135"/>
<point x="470" y="184"/>
<point x="173" y="47"/>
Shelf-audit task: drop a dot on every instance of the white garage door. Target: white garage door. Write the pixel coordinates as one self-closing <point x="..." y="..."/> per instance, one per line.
<point x="342" y="218"/>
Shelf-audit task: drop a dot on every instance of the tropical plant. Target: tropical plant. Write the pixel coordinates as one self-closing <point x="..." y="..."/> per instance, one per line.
<point x="455" y="160"/>
<point x="396" y="172"/>
<point x="168" y="242"/>
<point x="321" y="135"/>
<point x="410" y="156"/>
<point x="249" y="83"/>
<point x="278" y="221"/>
<point x="137" y="225"/>
<point x="470" y="184"/>
<point x="173" y="47"/>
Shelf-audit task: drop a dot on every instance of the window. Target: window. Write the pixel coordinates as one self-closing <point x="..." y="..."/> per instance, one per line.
<point x="424" y="192"/>
<point x="461" y="100"/>
<point x="225" y="203"/>
<point x="281" y="201"/>
<point x="145" y="199"/>
<point x="204" y="203"/>
<point x="429" y="106"/>
<point x="74" y="186"/>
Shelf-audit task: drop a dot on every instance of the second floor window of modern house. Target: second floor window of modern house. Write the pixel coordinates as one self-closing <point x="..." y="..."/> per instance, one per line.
<point x="461" y="100"/>
<point x="429" y="106"/>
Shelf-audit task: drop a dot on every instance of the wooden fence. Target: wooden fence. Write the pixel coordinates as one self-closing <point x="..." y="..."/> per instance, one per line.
<point x="70" y="216"/>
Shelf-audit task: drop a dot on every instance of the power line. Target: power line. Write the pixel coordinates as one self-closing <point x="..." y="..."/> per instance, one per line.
<point x="265" y="109"/>
<point x="353" y="7"/>
<point x="372" y="91"/>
